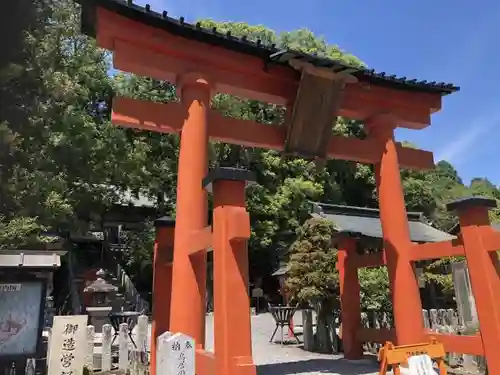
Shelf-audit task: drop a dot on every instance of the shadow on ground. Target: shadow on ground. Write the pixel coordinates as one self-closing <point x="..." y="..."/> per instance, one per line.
<point x="320" y="366"/>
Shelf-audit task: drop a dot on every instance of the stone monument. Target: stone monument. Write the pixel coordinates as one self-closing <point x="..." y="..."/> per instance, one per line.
<point x="175" y="354"/>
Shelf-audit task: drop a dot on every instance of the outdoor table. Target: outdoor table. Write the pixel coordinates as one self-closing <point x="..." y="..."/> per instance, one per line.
<point x="283" y="316"/>
<point x="129" y="317"/>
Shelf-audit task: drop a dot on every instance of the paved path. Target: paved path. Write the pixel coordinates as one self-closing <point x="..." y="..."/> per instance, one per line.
<point x="274" y="359"/>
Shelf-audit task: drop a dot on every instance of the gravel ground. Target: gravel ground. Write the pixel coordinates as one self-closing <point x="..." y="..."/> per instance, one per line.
<point x="274" y="359"/>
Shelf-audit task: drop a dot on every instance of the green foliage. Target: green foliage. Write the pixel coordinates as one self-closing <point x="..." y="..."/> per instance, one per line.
<point x="313" y="278"/>
<point x="375" y="290"/>
<point x="304" y="40"/>
<point x="312" y="275"/>
<point x="58" y="146"/>
<point x="239" y="29"/>
<point x="137" y="256"/>
<point x="22" y="232"/>
<point x="439" y="273"/>
<point x="62" y="163"/>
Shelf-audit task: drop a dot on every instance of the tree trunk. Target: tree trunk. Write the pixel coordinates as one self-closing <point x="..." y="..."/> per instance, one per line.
<point x="324" y="327"/>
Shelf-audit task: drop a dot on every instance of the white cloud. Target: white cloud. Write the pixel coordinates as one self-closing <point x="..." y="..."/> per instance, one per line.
<point x="464" y="145"/>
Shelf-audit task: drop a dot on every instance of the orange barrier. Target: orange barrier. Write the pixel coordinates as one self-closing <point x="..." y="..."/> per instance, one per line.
<point x="395" y="356"/>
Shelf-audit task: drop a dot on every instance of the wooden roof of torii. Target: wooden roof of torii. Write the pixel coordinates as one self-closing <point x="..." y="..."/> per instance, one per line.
<point x="314" y="89"/>
<point x="244" y="45"/>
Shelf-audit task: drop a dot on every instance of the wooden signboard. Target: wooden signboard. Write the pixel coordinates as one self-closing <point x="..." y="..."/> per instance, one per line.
<point x="68" y="345"/>
<point x="417" y="357"/>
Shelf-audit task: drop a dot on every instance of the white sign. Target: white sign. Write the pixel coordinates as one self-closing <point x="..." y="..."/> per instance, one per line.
<point x="20" y="306"/>
<point x="420" y="365"/>
<point x="257" y="293"/>
<point x="68" y="345"/>
<point x="180" y="355"/>
<point x="10" y="287"/>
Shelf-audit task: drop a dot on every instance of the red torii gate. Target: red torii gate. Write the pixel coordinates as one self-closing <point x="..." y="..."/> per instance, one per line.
<point x="314" y="90"/>
<point x="477" y="241"/>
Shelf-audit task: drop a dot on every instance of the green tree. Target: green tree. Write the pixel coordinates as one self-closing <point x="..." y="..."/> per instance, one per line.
<point x="375" y="290"/>
<point x="137" y="256"/>
<point x="62" y="163"/>
<point x="63" y="148"/>
<point x="313" y="277"/>
<point x="446" y="186"/>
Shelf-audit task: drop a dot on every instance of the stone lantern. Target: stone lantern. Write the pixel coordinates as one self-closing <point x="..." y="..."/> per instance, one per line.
<point x="101" y="292"/>
<point x="100" y="289"/>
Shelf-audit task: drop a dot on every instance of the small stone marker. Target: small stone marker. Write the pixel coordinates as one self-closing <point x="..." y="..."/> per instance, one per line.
<point x="420" y="365"/>
<point x="30" y="366"/>
<point x="180" y="355"/>
<point x="89" y="361"/>
<point x="106" y="347"/>
<point x="161" y="353"/>
<point x="123" y="347"/>
<point x="68" y="345"/>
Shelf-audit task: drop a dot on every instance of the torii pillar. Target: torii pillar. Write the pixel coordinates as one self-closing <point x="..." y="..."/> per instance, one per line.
<point x="162" y="281"/>
<point x="483" y="269"/>
<point x="231" y="231"/>
<point x="407" y="307"/>
<point x="187" y="314"/>
<point x="350" y="297"/>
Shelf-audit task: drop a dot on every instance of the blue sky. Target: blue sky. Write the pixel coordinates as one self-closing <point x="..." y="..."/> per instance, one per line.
<point x="436" y="40"/>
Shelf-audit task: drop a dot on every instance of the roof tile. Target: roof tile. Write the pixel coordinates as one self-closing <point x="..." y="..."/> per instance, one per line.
<point x="366" y="222"/>
<point x="245" y="45"/>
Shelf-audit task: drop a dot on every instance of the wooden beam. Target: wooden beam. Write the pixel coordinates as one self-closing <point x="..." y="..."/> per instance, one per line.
<point x="145" y="115"/>
<point x="378" y="335"/>
<point x="200" y="240"/>
<point x="354" y="103"/>
<point x="491" y="241"/>
<point x="458" y="344"/>
<point x="436" y="250"/>
<point x="154" y="52"/>
<point x="150" y="63"/>
<point x="452" y="343"/>
<point x="415" y="159"/>
<point x="169" y="118"/>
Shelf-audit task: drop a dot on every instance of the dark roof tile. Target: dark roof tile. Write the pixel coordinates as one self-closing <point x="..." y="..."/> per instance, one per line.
<point x="366" y="222"/>
<point x="244" y="45"/>
<point x="471" y="202"/>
